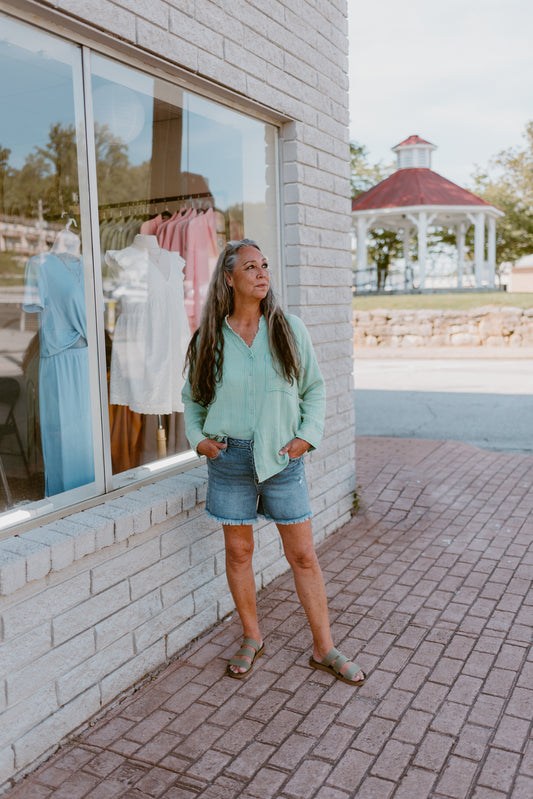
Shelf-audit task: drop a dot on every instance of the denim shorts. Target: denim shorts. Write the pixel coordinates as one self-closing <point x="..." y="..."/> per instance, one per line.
<point x="235" y="495"/>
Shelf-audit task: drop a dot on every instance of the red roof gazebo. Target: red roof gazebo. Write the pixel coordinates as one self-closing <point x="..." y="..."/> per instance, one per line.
<point x="414" y="198"/>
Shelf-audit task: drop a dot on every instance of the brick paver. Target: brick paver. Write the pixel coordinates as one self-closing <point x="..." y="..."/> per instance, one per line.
<point x="429" y="586"/>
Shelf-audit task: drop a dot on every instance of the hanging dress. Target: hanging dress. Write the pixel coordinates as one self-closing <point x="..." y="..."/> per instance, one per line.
<point x="54" y="288"/>
<point x="201" y="253"/>
<point x="151" y="334"/>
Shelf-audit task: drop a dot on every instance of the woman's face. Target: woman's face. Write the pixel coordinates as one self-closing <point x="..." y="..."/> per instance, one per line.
<point x="250" y="279"/>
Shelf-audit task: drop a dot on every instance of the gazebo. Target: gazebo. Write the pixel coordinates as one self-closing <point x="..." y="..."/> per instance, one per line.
<point x="415" y="198"/>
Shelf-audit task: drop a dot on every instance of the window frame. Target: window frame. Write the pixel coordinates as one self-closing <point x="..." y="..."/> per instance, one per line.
<point x="90" y="41"/>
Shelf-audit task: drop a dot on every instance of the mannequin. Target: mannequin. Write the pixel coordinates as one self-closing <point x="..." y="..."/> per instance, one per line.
<point x="54" y="289"/>
<point x="151" y="246"/>
<point x="151" y="334"/>
<point x="67" y="242"/>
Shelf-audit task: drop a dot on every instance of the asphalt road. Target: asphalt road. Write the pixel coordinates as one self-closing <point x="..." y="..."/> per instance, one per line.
<point x="487" y="402"/>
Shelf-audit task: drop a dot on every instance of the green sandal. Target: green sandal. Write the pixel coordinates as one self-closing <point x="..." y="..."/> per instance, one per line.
<point x="249" y="645"/>
<point x="333" y="663"/>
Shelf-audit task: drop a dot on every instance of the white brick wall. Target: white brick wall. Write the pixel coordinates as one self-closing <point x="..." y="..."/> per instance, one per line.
<point x="93" y="603"/>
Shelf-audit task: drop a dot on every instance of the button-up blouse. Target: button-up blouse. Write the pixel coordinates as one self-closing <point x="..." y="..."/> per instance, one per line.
<point x="253" y="401"/>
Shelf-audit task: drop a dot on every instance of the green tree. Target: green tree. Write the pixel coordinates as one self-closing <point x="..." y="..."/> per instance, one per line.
<point x="5" y="152"/>
<point x="50" y="174"/>
<point x="118" y="180"/>
<point x="383" y="245"/>
<point x="60" y="151"/>
<point x="24" y="187"/>
<point x="507" y="183"/>
<point x="364" y="175"/>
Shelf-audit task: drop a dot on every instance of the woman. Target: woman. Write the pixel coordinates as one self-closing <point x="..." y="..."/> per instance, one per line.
<point x="254" y="404"/>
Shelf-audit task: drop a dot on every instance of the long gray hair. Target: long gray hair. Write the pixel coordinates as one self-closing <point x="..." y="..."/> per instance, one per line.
<point x="205" y="354"/>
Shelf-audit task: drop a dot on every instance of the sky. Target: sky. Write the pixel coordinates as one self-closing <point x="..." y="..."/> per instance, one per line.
<point x="458" y="73"/>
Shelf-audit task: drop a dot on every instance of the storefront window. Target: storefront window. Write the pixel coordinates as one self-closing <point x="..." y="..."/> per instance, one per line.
<point x="46" y="386"/>
<point x="177" y="175"/>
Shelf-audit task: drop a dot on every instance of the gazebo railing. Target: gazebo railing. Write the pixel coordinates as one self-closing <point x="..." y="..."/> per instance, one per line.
<point x="406" y="281"/>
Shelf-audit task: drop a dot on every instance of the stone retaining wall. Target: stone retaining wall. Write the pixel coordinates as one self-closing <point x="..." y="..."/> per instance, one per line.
<point x="486" y="326"/>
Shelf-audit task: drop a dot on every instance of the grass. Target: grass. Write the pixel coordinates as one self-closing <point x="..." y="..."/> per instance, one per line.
<point x="11" y="270"/>
<point x="443" y="302"/>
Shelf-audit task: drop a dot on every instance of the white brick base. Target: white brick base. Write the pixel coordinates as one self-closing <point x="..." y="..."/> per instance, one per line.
<point x="93" y="603"/>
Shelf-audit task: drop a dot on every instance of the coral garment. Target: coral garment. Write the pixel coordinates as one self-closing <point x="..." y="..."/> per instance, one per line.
<point x="200" y="261"/>
<point x="149" y="227"/>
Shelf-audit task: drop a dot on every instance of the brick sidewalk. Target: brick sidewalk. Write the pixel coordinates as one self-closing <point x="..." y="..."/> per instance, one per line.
<point x="430" y="586"/>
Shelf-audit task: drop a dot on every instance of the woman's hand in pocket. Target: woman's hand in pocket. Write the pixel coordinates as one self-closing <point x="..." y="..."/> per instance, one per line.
<point x="295" y="448"/>
<point x="210" y="448"/>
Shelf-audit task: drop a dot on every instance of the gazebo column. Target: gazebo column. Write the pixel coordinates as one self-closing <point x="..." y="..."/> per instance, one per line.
<point x="460" y="239"/>
<point x="407" y="257"/>
<point x="492" y="251"/>
<point x="422" y="246"/>
<point x="479" y="247"/>
<point x="361" y="264"/>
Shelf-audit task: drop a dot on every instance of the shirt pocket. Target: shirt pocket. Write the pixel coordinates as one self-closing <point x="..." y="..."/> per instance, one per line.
<point x="274" y="381"/>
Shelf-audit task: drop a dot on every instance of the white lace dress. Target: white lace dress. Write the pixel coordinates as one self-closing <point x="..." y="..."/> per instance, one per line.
<point x="152" y="333"/>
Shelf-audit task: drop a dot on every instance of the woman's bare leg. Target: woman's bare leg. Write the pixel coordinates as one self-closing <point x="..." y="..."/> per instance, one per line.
<point x="239" y="570"/>
<point x="300" y="552"/>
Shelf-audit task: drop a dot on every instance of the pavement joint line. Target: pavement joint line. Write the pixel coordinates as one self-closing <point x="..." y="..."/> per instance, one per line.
<point x="132" y="758"/>
<point x="462" y="708"/>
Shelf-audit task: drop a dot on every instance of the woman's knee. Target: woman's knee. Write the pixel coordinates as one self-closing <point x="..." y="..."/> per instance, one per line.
<point x="239" y="546"/>
<point x="299" y="546"/>
<point x="302" y="557"/>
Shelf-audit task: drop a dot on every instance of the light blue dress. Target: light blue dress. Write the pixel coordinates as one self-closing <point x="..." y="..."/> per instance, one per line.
<point x="54" y="289"/>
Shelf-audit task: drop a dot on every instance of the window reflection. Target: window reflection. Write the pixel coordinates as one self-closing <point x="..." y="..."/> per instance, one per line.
<point x="55" y="291"/>
<point x="178" y="176"/>
<point x="46" y="440"/>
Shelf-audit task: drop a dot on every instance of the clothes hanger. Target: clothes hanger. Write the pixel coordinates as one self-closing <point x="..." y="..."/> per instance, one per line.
<point x="66" y="240"/>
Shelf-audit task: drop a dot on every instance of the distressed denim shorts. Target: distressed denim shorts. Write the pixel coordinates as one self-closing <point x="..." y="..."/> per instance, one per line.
<point x="235" y="495"/>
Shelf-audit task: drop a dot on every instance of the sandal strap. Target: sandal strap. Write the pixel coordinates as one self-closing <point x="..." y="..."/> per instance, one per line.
<point x="330" y="657"/>
<point x="337" y="661"/>
<point x="351" y="671"/>
<point x="252" y="644"/>
<point x="244" y="651"/>
<point x="237" y="661"/>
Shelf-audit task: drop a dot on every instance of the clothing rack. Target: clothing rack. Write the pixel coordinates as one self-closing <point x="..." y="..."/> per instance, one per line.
<point x="141" y="208"/>
<point x="158" y="200"/>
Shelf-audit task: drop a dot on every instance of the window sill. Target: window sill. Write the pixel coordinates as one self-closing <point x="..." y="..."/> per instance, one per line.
<point x="36" y="553"/>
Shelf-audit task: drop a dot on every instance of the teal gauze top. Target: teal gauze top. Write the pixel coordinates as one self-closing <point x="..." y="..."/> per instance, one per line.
<point x="254" y="402"/>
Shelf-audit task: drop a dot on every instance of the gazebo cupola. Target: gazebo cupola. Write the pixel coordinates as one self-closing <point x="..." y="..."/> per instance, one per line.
<point x="415" y="198"/>
<point x="413" y="152"/>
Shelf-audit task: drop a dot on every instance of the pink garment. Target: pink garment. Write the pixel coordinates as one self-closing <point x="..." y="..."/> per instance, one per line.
<point x="149" y="227"/>
<point x="166" y="233"/>
<point x="161" y="230"/>
<point x="178" y="241"/>
<point x="201" y="253"/>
